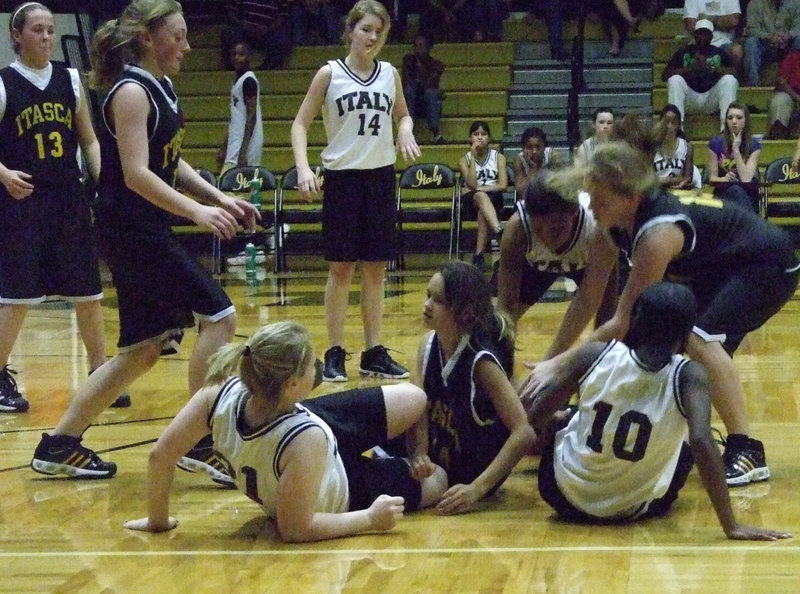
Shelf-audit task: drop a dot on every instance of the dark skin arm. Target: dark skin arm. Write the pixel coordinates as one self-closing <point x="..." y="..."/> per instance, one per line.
<point x="695" y="391"/>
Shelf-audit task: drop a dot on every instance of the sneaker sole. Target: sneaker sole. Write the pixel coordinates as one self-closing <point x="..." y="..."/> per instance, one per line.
<point x="11" y="409"/>
<point x="52" y="469"/>
<point x="192" y="465"/>
<point x="382" y="375"/>
<point x="338" y="378"/>
<point x="756" y="475"/>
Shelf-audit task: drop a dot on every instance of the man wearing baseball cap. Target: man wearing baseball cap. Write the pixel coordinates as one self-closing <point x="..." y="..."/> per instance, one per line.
<point x="700" y="76"/>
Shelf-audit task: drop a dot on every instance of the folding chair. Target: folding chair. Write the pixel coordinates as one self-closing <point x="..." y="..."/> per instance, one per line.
<point x="427" y="194"/>
<point x="780" y="172"/>
<point x="291" y="209"/>
<point x="509" y="198"/>
<point x="237" y="180"/>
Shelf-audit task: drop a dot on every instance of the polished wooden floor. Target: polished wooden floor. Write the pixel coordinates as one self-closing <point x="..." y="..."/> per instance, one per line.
<point x="67" y="536"/>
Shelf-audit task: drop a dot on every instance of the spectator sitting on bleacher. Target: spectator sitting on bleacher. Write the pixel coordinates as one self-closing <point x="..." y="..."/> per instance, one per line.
<point x="534" y="158"/>
<point x="733" y="159"/>
<point x="773" y="27"/>
<point x="674" y="157"/>
<point x="421" y="75"/>
<point x="602" y="125"/>
<point x="483" y="170"/>
<point x="315" y="22"/>
<point x="786" y="97"/>
<point x="725" y="15"/>
<point x="699" y="77"/>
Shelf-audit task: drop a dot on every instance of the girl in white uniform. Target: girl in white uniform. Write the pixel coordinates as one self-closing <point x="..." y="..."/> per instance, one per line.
<point x="674" y="157"/>
<point x="623" y="455"/>
<point x="483" y="170"/>
<point x="300" y="459"/>
<point x="359" y="97"/>
<point x="245" y="141"/>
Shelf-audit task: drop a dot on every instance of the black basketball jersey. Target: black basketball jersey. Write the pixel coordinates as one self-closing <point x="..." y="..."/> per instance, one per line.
<point x="37" y="130"/>
<point x="719" y="237"/>
<point x="464" y="431"/>
<point x="165" y="136"/>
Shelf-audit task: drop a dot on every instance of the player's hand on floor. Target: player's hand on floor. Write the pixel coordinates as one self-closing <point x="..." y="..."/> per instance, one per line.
<point x="385" y="512"/>
<point x="144" y="525"/>
<point x="742" y="532"/>
<point x="458" y="499"/>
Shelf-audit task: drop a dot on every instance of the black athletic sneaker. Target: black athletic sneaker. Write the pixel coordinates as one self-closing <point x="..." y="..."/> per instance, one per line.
<point x="745" y="461"/>
<point x="376" y="362"/>
<point x="334" y="370"/>
<point x="203" y="458"/>
<point x="64" y="454"/>
<point x="122" y="401"/>
<point x="10" y="398"/>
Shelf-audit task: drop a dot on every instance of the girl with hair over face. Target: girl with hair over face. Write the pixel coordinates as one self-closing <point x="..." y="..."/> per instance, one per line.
<point x="592" y="470"/>
<point x="733" y="159"/>
<point x="741" y="268"/>
<point x="553" y="234"/>
<point x="160" y="287"/>
<point x="475" y="426"/>
<point x="300" y="458"/>
<point x="46" y="248"/>
<point x="359" y="97"/>
<point x="483" y="170"/>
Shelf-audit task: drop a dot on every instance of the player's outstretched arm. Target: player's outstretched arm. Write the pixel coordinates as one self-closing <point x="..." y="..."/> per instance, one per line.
<point x="188" y="427"/>
<point x="695" y="393"/>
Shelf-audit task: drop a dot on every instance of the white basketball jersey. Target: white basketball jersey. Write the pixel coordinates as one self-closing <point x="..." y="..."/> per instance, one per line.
<point x="620" y="450"/>
<point x="358" y="118"/>
<point x="576" y="253"/>
<point x="254" y="455"/>
<point x="671" y="165"/>
<point x="237" y="123"/>
<point x="486" y="172"/>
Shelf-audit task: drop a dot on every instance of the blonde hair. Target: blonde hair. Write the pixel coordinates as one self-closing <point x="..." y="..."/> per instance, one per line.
<point x="272" y="355"/>
<point x="359" y="11"/>
<point x="622" y="168"/>
<point x="20" y="16"/>
<point x="117" y="41"/>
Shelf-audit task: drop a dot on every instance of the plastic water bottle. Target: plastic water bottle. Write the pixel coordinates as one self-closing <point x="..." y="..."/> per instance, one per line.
<point x="250" y="273"/>
<point x="255" y="191"/>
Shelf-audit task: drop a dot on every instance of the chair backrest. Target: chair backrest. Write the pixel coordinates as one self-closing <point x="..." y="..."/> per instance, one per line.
<point x="207" y="175"/>
<point x="427" y="176"/>
<point x="237" y="179"/>
<point x="780" y="172"/>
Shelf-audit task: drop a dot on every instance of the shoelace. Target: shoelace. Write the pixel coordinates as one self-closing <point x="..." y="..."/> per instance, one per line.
<point x="6" y="377"/>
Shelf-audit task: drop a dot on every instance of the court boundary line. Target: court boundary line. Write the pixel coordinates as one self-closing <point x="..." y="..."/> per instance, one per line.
<point x="723" y="549"/>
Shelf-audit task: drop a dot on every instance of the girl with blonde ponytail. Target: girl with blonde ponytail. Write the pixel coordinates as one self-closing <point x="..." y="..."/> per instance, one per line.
<point x="299" y="458"/>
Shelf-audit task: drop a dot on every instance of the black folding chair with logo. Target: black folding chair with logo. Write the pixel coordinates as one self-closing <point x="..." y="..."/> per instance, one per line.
<point x="304" y="218"/>
<point x="427" y="197"/>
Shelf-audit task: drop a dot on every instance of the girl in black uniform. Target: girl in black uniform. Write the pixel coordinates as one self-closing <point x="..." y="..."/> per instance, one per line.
<point x="741" y="269"/>
<point x="46" y="247"/>
<point x="475" y="427"/>
<point x="160" y="287"/>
